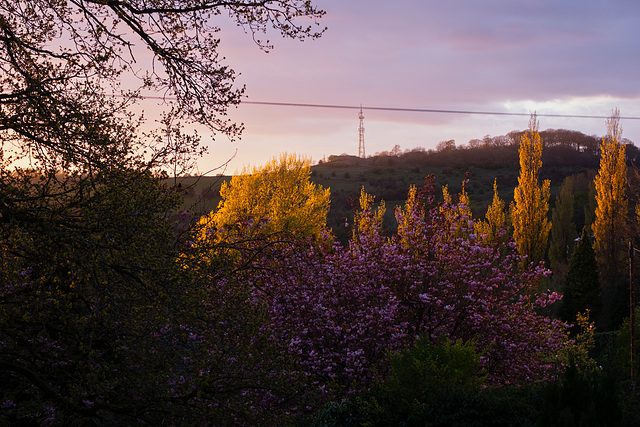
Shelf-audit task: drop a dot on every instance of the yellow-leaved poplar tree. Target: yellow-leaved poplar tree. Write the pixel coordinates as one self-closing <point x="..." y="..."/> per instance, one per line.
<point x="446" y="196"/>
<point x="367" y="221"/>
<point x="495" y="219"/>
<point x="531" y="200"/>
<point x="410" y="206"/>
<point x="609" y="227"/>
<point x="280" y="193"/>
<point x="464" y="203"/>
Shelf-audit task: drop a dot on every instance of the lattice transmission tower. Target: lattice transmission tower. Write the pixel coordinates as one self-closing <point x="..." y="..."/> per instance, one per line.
<point x="361" y="135"/>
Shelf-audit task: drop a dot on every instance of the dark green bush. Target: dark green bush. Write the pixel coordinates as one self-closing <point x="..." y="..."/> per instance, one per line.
<point x="434" y="386"/>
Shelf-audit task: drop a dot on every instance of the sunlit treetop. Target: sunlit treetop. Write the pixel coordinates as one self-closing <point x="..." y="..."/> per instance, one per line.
<point x="495" y="218"/>
<point x="531" y="199"/>
<point x="279" y="193"/>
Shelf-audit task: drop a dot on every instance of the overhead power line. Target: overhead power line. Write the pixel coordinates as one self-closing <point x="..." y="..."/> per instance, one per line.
<point x="410" y="110"/>
<point x="428" y="110"/>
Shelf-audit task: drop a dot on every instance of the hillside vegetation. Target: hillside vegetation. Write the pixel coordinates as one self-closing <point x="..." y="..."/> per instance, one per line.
<point x="388" y="175"/>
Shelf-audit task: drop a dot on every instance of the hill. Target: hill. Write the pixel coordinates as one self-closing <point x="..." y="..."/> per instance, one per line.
<point x="388" y="176"/>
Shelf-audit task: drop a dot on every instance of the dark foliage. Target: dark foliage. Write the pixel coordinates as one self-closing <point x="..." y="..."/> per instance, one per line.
<point x="581" y="399"/>
<point x="435" y="386"/>
<point x="582" y="284"/>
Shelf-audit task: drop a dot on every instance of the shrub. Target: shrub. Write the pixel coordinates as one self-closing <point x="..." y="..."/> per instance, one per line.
<point x="436" y="385"/>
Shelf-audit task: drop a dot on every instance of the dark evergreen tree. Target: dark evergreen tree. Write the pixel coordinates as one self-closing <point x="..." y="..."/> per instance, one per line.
<point x="563" y="230"/>
<point x="582" y="285"/>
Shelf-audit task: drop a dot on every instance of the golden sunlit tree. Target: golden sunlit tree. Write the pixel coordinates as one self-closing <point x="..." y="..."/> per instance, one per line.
<point x="495" y="219"/>
<point x="411" y="205"/>
<point x="611" y="180"/>
<point x="367" y="221"/>
<point x="531" y="200"/>
<point x="462" y="201"/>
<point x="609" y="227"/>
<point x="279" y="193"/>
<point x="459" y="217"/>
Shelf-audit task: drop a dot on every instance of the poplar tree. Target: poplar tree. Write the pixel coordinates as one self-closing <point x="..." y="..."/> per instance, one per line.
<point x="463" y="214"/>
<point x="495" y="219"/>
<point x="609" y="227"/>
<point x="611" y="210"/>
<point x="531" y="200"/>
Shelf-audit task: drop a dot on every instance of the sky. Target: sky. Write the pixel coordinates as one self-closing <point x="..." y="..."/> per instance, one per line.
<point x="556" y="57"/>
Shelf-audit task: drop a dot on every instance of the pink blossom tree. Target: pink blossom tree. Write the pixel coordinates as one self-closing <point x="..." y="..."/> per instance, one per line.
<point x="456" y="284"/>
<point x="338" y="311"/>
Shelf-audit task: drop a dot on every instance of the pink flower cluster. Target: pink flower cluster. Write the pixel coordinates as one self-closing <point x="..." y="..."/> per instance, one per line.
<point x="338" y="311"/>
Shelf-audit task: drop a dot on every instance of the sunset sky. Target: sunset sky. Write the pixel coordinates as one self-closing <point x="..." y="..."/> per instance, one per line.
<point x="568" y="57"/>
